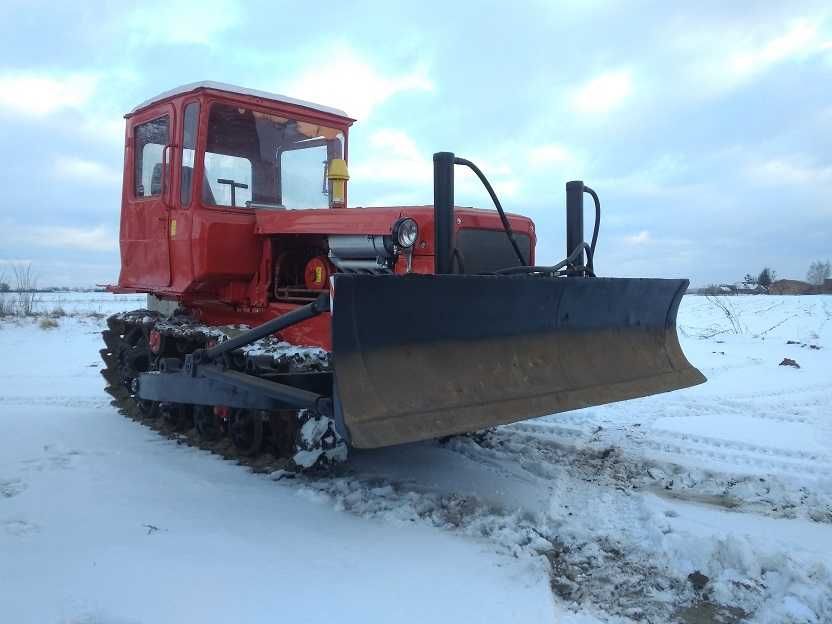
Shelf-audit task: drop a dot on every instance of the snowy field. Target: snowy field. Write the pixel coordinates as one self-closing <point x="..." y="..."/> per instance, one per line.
<point x="711" y="504"/>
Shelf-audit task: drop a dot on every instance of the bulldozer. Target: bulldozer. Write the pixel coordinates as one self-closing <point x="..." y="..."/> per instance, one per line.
<point x="283" y="321"/>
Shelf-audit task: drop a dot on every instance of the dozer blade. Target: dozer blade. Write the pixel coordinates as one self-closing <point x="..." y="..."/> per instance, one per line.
<point x="425" y="356"/>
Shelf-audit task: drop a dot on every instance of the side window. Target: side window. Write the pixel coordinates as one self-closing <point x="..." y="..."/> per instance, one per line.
<point x="229" y="180"/>
<point x="150" y="139"/>
<point x="191" y="123"/>
<point x="303" y="177"/>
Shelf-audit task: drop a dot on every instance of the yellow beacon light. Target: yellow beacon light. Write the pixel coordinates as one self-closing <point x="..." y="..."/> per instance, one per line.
<point x="338" y="176"/>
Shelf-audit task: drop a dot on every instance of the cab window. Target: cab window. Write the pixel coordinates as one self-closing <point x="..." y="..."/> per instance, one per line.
<point x="150" y="139"/>
<point x="228" y="180"/>
<point x="262" y="160"/>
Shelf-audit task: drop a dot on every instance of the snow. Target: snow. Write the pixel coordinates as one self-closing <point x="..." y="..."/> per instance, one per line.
<point x="743" y="432"/>
<point x="604" y="514"/>
<point x="222" y="86"/>
<point x="101" y="520"/>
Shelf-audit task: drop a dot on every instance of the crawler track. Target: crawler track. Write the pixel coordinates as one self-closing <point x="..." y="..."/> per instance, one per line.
<point x="291" y="440"/>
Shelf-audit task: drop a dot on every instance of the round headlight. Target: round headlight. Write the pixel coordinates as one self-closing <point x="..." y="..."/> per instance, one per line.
<point x="405" y="232"/>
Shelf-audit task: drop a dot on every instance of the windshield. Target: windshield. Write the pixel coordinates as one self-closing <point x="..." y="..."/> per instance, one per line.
<point x="259" y="160"/>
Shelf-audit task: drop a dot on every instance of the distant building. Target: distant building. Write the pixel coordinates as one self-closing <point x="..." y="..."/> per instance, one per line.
<point x="826" y="288"/>
<point x="791" y="287"/>
<point x="745" y="288"/>
<point x="741" y="288"/>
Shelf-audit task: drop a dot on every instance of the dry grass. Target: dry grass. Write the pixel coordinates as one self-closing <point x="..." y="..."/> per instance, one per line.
<point x="47" y="323"/>
<point x="7" y="305"/>
<point x="732" y="315"/>
<point x="25" y="285"/>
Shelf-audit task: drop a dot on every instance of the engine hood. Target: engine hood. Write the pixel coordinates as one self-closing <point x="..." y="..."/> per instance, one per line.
<point x="377" y="220"/>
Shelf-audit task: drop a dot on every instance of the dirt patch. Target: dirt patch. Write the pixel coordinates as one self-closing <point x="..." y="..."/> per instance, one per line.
<point x="709" y="613"/>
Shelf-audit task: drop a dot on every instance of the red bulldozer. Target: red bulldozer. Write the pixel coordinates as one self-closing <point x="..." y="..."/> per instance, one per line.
<point x="283" y="321"/>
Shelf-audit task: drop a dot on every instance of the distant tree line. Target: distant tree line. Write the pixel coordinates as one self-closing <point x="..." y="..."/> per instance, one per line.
<point x="819" y="272"/>
<point x="24" y="280"/>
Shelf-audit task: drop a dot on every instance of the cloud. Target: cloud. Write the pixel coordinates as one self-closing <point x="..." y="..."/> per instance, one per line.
<point x="798" y="41"/>
<point x="721" y="59"/>
<point x="604" y="93"/>
<point x="550" y="154"/>
<point x="642" y="238"/>
<point x="97" y="238"/>
<point x="88" y="171"/>
<point x="507" y="188"/>
<point x="182" y="22"/>
<point x="351" y="83"/>
<point x="107" y="128"/>
<point x="39" y="95"/>
<point x="668" y="176"/>
<point x="506" y="184"/>
<point x="393" y="157"/>
<point x="792" y="171"/>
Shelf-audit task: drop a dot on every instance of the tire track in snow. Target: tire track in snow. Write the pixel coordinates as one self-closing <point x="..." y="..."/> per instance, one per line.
<point x="805" y="400"/>
<point x="711" y="451"/>
<point x="604" y="458"/>
<point x="608" y="550"/>
<point x="602" y="573"/>
<point x="820" y="461"/>
<point x="681" y="444"/>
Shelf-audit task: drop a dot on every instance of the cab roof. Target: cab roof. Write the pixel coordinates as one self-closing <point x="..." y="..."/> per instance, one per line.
<point x="229" y="88"/>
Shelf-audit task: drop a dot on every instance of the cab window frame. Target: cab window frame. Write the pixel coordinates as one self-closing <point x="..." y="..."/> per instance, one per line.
<point x="196" y="165"/>
<point x="136" y="174"/>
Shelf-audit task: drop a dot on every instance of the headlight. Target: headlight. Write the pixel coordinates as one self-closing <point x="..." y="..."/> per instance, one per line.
<point x="405" y="232"/>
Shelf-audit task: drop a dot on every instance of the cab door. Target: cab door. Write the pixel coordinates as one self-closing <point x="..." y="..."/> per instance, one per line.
<point x="145" y="231"/>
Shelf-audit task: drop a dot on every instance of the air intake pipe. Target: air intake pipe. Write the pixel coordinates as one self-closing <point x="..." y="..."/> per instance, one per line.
<point x="443" y="212"/>
<point x="575" y="220"/>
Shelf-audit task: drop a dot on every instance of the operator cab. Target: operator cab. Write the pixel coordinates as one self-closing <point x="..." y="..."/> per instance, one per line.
<point x="259" y="150"/>
<point x="201" y="162"/>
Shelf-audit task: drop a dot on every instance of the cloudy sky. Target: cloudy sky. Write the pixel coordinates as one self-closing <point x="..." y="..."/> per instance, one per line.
<point x="705" y="128"/>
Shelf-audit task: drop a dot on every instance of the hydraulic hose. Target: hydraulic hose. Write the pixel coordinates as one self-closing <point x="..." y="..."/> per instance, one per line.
<point x="591" y="253"/>
<point x="566" y="262"/>
<point x="497" y="205"/>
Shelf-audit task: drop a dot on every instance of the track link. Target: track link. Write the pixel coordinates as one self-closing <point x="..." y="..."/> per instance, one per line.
<point x="291" y="440"/>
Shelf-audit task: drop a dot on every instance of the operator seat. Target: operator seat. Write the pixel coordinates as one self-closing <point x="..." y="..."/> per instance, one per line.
<point x="207" y="193"/>
<point x="156" y="180"/>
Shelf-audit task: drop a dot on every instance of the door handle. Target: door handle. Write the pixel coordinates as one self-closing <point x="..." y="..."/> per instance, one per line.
<point x="167" y="169"/>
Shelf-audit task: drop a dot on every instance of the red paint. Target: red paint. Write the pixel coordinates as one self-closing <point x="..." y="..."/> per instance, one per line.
<point x="155" y="341"/>
<point x="221" y="411"/>
<point x="220" y="262"/>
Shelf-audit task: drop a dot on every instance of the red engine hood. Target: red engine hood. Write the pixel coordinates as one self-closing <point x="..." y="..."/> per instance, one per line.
<point x="378" y="220"/>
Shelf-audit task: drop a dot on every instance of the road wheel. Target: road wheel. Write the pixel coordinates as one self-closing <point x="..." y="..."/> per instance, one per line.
<point x="246" y="431"/>
<point x="176" y="416"/>
<point x="207" y="424"/>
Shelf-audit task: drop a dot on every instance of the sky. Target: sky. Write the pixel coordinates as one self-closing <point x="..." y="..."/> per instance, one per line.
<point x="706" y="128"/>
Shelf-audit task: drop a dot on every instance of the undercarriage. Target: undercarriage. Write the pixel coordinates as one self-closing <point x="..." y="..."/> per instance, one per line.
<point x="266" y="439"/>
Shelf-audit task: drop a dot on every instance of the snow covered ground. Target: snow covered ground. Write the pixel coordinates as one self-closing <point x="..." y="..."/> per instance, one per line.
<point x="708" y="504"/>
